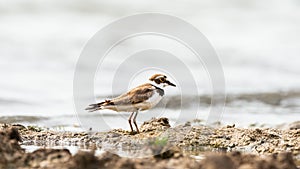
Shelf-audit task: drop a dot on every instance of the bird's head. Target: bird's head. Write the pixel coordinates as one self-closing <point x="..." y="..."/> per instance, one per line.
<point x="161" y="80"/>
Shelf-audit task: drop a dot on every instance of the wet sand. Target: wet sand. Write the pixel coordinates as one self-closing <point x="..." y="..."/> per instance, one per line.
<point x="159" y="145"/>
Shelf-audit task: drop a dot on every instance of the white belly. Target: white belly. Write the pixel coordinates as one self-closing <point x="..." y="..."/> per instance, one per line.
<point x="155" y="99"/>
<point x="145" y="105"/>
<point x="150" y="103"/>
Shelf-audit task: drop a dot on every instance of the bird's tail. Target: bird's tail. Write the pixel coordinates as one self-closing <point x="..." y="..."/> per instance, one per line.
<point x="98" y="106"/>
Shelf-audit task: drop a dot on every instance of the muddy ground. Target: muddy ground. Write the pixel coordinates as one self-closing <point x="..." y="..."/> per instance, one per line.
<point x="157" y="146"/>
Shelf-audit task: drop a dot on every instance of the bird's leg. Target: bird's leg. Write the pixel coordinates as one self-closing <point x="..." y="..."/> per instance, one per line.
<point x="129" y="120"/>
<point x="134" y="122"/>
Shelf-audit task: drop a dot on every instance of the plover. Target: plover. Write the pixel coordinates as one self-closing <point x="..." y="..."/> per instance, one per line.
<point x="140" y="98"/>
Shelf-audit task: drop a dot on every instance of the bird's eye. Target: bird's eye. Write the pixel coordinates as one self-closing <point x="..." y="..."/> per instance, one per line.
<point x="162" y="79"/>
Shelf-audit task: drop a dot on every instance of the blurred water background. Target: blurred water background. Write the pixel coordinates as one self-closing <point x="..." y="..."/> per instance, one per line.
<point x="258" y="43"/>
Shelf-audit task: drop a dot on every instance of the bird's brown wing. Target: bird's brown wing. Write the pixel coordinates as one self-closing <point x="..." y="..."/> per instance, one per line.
<point x="136" y="95"/>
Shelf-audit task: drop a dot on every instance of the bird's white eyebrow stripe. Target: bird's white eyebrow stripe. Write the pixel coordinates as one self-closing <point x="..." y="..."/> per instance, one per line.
<point x="159" y="76"/>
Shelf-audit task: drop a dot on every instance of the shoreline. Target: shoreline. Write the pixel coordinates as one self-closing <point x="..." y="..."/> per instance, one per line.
<point x="191" y="145"/>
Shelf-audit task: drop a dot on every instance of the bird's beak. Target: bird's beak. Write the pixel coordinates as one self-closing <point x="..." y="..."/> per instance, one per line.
<point x="171" y="84"/>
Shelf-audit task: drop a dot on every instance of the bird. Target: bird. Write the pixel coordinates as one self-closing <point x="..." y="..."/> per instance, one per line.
<point x="140" y="98"/>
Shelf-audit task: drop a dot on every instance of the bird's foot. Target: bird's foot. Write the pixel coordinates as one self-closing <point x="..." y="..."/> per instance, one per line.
<point x="134" y="132"/>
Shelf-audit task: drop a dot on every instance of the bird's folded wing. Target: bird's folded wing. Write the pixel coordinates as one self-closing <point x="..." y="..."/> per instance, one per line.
<point x="136" y="95"/>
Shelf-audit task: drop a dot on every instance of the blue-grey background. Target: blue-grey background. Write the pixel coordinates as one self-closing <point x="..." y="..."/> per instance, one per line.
<point x="257" y="42"/>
